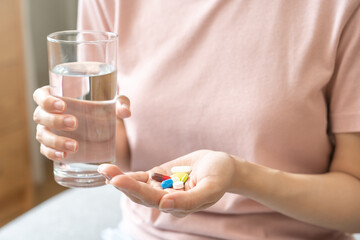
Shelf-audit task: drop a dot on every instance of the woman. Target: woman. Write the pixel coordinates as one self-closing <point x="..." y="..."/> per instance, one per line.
<point x="271" y="88"/>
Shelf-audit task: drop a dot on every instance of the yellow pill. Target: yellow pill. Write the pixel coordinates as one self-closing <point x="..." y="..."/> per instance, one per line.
<point x="179" y="175"/>
<point x="184" y="178"/>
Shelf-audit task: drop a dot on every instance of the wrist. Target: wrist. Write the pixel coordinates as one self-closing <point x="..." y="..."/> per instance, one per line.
<point x="240" y="177"/>
<point x="253" y="180"/>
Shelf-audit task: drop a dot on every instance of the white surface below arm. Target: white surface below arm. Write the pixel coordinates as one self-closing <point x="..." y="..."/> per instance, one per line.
<point x="73" y="214"/>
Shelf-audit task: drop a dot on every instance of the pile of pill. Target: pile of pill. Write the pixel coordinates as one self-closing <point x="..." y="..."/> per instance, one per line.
<point x="180" y="175"/>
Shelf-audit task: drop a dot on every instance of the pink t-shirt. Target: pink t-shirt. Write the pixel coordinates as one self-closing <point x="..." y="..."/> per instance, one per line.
<point x="267" y="81"/>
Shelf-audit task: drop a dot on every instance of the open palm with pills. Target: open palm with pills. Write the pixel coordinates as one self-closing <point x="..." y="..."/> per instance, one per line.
<point x="210" y="175"/>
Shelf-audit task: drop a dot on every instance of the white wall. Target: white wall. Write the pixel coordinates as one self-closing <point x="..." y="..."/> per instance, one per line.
<point x="40" y="18"/>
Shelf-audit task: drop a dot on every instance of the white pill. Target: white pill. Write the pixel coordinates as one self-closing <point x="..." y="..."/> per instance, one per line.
<point x="178" y="185"/>
<point x="178" y="169"/>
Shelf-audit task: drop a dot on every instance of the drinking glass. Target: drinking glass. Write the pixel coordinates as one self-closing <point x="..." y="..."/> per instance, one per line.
<point x="82" y="71"/>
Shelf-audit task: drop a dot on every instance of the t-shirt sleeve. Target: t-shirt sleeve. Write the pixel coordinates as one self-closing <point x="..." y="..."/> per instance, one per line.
<point x="344" y="90"/>
<point x="96" y="15"/>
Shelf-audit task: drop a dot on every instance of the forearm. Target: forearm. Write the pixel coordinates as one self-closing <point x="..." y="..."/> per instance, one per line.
<point x="122" y="147"/>
<point x="330" y="200"/>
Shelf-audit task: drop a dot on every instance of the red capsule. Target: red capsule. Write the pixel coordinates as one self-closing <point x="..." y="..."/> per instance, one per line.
<point x="159" y="177"/>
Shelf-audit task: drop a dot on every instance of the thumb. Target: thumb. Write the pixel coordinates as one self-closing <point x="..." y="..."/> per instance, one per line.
<point x="123" y="107"/>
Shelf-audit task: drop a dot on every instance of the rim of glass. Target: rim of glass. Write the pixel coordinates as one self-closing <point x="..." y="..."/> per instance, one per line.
<point x="111" y="36"/>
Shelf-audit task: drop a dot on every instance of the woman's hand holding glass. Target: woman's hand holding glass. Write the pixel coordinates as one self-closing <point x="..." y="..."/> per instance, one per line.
<point x="50" y="115"/>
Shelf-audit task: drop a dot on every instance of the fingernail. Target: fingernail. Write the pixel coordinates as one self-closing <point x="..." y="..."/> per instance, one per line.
<point x="108" y="178"/>
<point x="167" y="204"/>
<point x="58" y="105"/>
<point x="70" y="122"/>
<point x="59" y="154"/>
<point x="100" y="170"/>
<point x="70" y="146"/>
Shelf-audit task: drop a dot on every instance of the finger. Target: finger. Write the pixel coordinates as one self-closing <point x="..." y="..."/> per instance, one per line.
<point x="109" y="171"/>
<point x="132" y="198"/>
<point x="145" y="177"/>
<point x="149" y="195"/>
<point x="63" y="122"/>
<point x="123" y="107"/>
<point x="52" y="154"/>
<point x="51" y="140"/>
<point x="201" y="196"/>
<point x="139" y="176"/>
<point x="48" y="102"/>
<point x="137" y="200"/>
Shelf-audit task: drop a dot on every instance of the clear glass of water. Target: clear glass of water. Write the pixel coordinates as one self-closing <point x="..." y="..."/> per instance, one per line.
<point x="82" y="71"/>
